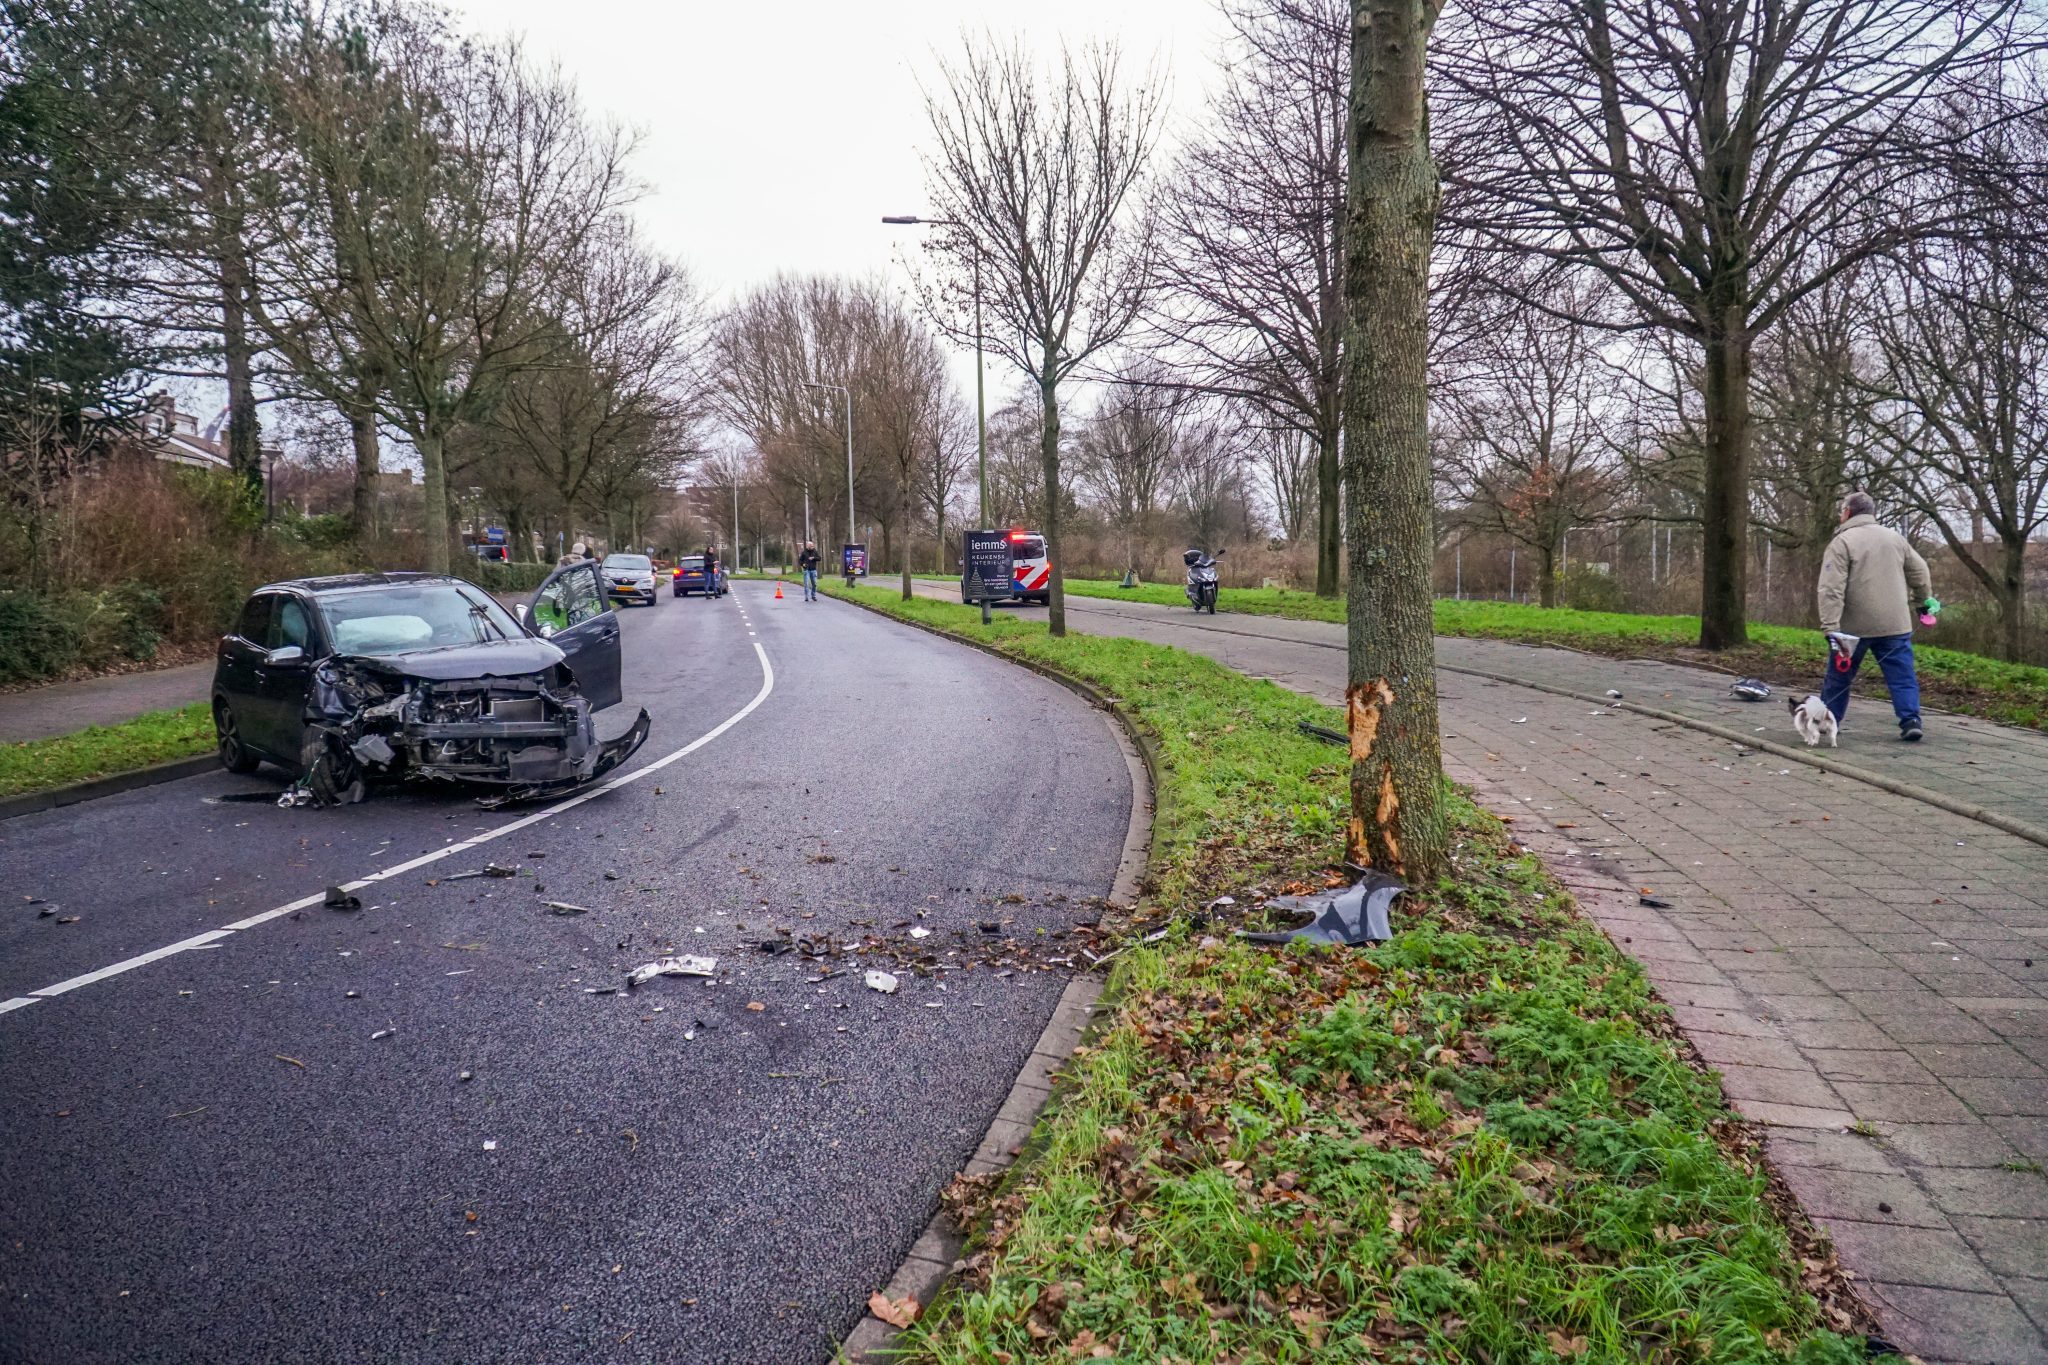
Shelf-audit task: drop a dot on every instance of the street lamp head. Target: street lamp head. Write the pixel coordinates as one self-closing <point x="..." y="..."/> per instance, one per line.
<point x="901" y="219"/>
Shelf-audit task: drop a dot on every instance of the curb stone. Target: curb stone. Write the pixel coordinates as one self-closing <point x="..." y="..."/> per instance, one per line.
<point x="932" y="1257"/>
<point x="50" y="798"/>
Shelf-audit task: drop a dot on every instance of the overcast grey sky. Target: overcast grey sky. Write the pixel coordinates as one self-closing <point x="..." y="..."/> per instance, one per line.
<point x="776" y="135"/>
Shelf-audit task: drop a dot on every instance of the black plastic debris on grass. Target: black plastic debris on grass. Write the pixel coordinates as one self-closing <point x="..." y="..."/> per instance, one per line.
<point x="1349" y="917"/>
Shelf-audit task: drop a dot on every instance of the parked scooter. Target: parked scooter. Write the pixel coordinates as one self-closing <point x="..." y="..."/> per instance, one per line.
<point x="1201" y="587"/>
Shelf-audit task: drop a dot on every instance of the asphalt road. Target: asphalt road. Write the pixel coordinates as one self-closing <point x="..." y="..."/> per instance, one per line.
<point x="210" y="1156"/>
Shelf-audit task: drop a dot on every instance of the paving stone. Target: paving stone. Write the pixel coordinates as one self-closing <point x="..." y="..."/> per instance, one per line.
<point x="1834" y="1149"/>
<point x="1926" y="1320"/>
<point x="1948" y="1144"/>
<point x="1903" y="1103"/>
<point x="2029" y="1136"/>
<point x="2007" y="1246"/>
<point x="2032" y="1297"/>
<point x="2025" y="1096"/>
<point x="1720" y="1048"/>
<point x="1938" y="1258"/>
<point x="1989" y="1192"/>
<point x="1800" y="1087"/>
<point x="1841" y="1064"/>
<point x="1862" y="1196"/>
<point x="1957" y="1059"/>
<point x="1845" y="1035"/>
<point x="1792" y="1115"/>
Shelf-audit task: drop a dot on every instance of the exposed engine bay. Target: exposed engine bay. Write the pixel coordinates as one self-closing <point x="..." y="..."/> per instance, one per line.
<point x="368" y="720"/>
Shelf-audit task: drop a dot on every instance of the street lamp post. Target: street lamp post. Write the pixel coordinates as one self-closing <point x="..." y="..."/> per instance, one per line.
<point x="980" y="393"/>
<point x="851" y="537"/>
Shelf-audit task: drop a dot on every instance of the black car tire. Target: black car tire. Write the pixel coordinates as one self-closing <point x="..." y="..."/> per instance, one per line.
<point x="235" y="756"/>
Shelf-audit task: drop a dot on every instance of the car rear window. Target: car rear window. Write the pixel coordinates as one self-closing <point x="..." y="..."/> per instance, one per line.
<point x="1031" y="547"/>
<point x="395" y="619"/>
<point x="628" y="562"/>
<point x="692" y="563"/>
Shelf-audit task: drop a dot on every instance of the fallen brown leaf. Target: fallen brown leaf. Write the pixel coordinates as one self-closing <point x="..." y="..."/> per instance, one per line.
<point x="896" y="1312"/>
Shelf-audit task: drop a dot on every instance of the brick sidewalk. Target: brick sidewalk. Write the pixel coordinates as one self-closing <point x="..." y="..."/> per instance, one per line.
<point x="1866" y="971"/>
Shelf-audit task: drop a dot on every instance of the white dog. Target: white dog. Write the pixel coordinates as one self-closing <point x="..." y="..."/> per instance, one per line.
<point x="1812" y="719"/>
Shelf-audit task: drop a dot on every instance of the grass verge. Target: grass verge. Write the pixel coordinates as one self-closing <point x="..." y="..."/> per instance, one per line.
<point x="102" y="750"/>
<point x="1479" y="1142"/>
<point x="1951" y="680"/>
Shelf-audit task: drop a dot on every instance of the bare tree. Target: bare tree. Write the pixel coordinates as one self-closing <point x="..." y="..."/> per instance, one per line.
<point x="1528" y="423"/>
<point x="1716" y="160"/>
<point x="1039" y="167"/>
<point x="1817" y="424"/>
<point x="1252" y="289"/>
<point x="1127" y="448"/>
<point x="1289" y="463"/>
<point x="609" y="409"/>
<point x="1397" y="819"/>
<point x="1964" y="337"/>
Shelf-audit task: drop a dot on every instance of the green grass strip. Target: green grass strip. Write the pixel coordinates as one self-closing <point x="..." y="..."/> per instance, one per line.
<point x="1477" y="1142"/>
<point x="102" y="750"/>
<point x="1951" y="680"/>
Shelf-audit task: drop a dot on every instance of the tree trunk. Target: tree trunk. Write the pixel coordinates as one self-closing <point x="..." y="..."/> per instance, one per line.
<point x="1724" y="506"/>
<point x="245" y="438"/>
<point x="1397" y="819"/>
<point x="1546" y="575"/>
<point x="1328" y="505"/>
<point x="434" y="502"/>
<point x="362" y="425"/>
<point x="1049" y="457"/>
<point x="941" y="519"/>
<point x="2012" y="603"/>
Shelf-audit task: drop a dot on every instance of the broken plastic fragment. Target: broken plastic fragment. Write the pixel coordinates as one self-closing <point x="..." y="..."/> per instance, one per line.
<point x="881" y="981"/>
<point x="338" y="899"/>
<point x="1351" y="916"/>
<point x="672" y="966"/>
<point x="920" y="933"/>
<point x="564" y="908"/>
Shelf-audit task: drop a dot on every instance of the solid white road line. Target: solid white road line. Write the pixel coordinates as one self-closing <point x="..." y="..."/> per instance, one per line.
<point x="307" y="902"/>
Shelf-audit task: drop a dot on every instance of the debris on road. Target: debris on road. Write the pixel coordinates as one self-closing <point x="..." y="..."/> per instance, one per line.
<point x="465" y="1076"/>
<point x="1351" y="916"/>
<point x="672" y="966"/>
<point x="564" y="908"/>
<point x="338" y="899"/>
<point x="1614" y="693"/>
<point x="920" y="933"/>
<point x="1750" y="689"/>
<point x="880" y="981"/>
<point x="487" y="870"/>
<point x="1653" y="902"/>
<point x="67" y="919"/>
<point x="293" y="1060"/>
<point x="382" y="1033"/>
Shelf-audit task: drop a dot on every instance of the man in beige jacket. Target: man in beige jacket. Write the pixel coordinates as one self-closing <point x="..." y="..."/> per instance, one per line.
<point x="1872" y="581"/>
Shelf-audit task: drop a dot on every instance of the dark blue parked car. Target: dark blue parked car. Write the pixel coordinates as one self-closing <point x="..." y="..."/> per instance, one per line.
<point x="692" y="575"/>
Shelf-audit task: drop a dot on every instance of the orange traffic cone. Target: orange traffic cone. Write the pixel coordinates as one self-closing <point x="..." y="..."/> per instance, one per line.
<point x="778" y="590"/>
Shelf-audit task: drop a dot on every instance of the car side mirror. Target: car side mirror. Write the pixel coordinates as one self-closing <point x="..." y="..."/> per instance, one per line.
<point x="285" y="656"/>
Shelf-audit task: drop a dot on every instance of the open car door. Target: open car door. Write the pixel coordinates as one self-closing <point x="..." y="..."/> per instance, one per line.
<point x="570" y="612"/>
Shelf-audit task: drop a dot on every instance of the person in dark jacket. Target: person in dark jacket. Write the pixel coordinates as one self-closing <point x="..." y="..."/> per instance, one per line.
<point x="808" y="561"/>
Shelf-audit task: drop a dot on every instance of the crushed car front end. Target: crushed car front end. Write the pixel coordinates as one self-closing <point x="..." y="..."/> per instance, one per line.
<point x="529" y="733"/>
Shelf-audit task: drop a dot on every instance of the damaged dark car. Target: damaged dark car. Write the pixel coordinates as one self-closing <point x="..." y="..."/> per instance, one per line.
<point x="356" y="679"/>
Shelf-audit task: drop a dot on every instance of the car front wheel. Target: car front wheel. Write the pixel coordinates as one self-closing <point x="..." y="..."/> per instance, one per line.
<point x="235" y="756"/>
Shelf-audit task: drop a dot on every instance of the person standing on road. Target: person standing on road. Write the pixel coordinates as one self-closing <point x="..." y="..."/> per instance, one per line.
<point x="808" y="561"/>
<point x="1870" y="580"/>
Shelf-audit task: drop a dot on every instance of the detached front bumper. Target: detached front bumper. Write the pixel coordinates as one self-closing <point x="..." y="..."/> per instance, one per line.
<point x="532" y="735"/>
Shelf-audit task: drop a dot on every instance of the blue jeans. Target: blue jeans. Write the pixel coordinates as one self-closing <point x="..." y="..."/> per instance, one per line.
<point x="810" y="585"/>
<point x="1894" y="655"/>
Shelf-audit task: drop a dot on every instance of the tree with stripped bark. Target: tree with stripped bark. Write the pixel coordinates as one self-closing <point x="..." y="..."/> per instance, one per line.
<point x="1397" y="817"/>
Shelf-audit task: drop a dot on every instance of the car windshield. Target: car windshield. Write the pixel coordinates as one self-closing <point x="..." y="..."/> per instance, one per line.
<point x="639" y="562"/>
<point x="407" y="616"/>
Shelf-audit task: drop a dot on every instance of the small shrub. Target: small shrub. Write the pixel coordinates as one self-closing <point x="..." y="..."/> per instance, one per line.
<point x="1588" y="589"/>
<point x="37" y="639"/>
